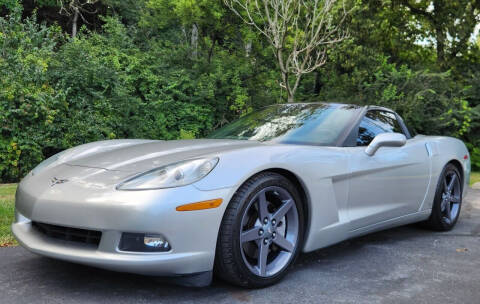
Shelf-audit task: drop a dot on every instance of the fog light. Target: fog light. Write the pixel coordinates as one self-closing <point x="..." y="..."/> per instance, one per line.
<point x="142" y="242"/>
<point x="155" y="241"/>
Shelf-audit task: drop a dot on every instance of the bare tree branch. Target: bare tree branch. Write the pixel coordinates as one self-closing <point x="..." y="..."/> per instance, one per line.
<point x="300" y="32"/>
<point x="76" y="8"/>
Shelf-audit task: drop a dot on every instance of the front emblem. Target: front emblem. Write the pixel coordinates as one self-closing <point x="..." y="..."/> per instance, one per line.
<point x="55" y="181"/>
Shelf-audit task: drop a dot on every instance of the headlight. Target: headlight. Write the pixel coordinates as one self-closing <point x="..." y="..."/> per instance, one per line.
<point x="47" y="162"/>
<point x="174" y="175"/>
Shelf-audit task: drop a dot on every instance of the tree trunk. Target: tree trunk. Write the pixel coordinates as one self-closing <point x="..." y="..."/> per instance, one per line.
<point x="248" y="48"/>
<point x="285" y="79"/>
<point x="295" y="87"/>
<point x="194" y="41"/>
<point x="288" y="89"/>
<point x="74" y="22"/>
<point x="440" y="37"/>
<point x="290" y="97"/>
<point x="210" y="52"/>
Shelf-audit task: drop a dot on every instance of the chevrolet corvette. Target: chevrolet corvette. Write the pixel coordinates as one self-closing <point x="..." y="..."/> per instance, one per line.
<point x="244" y="202"/>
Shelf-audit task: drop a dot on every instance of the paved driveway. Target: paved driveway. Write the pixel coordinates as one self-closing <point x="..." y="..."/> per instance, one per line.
<point x="403" y="265"/>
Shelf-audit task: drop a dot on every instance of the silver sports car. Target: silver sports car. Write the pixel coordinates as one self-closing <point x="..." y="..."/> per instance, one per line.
<point x="244" y="202"/>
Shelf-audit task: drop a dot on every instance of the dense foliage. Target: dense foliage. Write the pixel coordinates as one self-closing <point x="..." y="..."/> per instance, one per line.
<point x="169" y="69"/>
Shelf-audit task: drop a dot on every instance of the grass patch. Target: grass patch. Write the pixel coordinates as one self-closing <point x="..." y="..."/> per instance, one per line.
<point x="7" y="216"/>
<point x="474" y="177"/>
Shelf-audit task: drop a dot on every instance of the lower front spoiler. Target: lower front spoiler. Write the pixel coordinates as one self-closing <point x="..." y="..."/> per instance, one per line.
<point x="183" y="268"/>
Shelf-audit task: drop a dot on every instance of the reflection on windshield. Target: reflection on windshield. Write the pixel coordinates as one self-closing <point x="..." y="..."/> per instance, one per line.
<point x="319" y="124"/>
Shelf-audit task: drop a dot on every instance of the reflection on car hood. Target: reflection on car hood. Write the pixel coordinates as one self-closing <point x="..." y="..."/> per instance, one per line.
<point x="143" y="155"/>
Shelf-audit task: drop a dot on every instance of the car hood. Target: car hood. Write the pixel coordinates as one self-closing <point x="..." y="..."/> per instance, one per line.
<point x="141" y="155"/>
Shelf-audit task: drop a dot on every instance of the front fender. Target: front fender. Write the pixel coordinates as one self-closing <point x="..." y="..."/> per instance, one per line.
<point x="322" y="171"/>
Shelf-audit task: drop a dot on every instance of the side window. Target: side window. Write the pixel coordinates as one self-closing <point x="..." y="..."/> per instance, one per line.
<point x="374" y="123"/>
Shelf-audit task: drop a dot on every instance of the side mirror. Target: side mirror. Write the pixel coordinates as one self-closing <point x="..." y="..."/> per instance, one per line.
<point x="385" y="140"/>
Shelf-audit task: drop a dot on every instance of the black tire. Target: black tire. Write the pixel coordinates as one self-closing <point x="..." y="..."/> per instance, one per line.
<point x="437" y="220"/>
<point x="229" y="264"/>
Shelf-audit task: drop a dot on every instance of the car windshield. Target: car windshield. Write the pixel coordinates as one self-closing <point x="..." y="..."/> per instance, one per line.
<point x="315" y="124"/>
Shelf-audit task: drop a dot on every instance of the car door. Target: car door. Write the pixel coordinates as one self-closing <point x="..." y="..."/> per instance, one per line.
<point x="393" y="181"/>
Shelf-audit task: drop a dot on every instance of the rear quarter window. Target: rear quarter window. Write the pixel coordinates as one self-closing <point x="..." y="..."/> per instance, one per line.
<point x="376" y="122"/>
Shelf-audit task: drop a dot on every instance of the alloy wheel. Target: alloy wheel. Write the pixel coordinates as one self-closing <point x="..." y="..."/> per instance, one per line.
<point x="451" y="197"/>
<point x="269" y="231"/>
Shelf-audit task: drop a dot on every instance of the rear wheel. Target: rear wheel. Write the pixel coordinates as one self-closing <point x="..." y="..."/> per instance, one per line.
<point x="261" y="232"/>
<point x="448" y="200"/>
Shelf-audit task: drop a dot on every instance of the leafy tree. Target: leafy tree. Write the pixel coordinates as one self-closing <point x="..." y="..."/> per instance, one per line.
<point x="450" y="23"/>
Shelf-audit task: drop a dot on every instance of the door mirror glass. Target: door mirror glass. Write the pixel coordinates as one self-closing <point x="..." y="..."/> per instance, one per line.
<point x="385" y="140"/>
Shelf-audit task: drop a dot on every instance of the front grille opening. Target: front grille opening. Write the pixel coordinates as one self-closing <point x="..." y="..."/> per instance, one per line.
<point x="69" y="234"/>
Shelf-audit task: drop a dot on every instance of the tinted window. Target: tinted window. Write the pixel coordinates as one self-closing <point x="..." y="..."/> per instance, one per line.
<point x="374" y="123"/>
<point x="318" y="124"/>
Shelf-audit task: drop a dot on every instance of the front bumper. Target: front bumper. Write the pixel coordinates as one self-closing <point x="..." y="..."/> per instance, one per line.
<point x="141" y="263"/>
<point x="192" y="234"/>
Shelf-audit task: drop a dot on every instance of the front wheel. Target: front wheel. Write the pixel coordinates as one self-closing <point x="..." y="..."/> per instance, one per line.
<point x="261" y="232"/>
<point x="448" y="200"/>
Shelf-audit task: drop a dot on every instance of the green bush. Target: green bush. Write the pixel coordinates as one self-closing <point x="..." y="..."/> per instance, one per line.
<point x="430" y="103"/>
<point x="474" y="156"/>
<point x="59" y="92"/>
<point x="28" y="103"/>
<point x="140" y="75"/>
